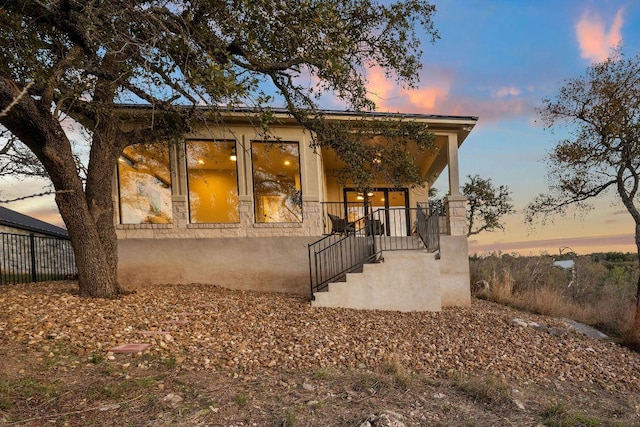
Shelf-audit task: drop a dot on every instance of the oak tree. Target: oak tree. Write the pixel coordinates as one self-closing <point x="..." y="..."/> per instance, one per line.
<point x="486" y="204"/>
<point x="600" y="112"/>
<point x="79" y="59"/>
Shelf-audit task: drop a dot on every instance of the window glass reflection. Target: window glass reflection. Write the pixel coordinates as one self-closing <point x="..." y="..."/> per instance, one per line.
<point x="276" y="181"/>
<point x="144" y="183"/>
<point x="213" y="181"/>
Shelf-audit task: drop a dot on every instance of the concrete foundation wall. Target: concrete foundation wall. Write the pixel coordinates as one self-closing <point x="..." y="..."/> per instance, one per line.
<point x="272" y="264"/>
<point x="454" y="271"/>
<point x="405" y="281"/>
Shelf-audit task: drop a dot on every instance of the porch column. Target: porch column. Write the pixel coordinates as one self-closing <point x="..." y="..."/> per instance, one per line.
<point x="455" y="203"/>
<point x="452" y="162"/>
<point x="179" y="200"/>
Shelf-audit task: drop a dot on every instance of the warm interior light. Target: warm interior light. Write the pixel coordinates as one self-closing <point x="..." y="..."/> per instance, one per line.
<point x="360" y="196"/>
<point x="287" y="162"/>
<point x="378" y="158"/>
<point x="200" y="162"/>
<point x="370" y="193"/>
<point x="233" y="156"/>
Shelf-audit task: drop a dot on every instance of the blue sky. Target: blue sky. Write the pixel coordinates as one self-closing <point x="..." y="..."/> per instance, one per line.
<point x="497" y="60"/>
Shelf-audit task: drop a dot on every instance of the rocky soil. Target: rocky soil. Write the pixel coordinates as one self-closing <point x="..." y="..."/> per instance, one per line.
<point x="274" y="345"/>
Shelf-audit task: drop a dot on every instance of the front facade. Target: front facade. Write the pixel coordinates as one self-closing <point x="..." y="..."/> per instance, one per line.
<point x="226" y="207"/>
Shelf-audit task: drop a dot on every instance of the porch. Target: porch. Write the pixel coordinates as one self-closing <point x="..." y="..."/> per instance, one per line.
<point x="400" y="258"/>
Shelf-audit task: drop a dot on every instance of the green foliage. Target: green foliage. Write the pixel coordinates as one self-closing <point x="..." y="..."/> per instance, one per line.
<point x="290" y="419"/>
<point x="322" y="373"/>
<point x="381" y="150"/>
<point x="82" y="60"/>
<point x="601" y="111"/>
<point x="96" y="358"/>
<point x="27" y="391"/>
<point x="486" y="204"/>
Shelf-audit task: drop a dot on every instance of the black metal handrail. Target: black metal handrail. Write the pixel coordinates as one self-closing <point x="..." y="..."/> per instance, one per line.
<point x="393" y="229"/>
<point x="29" y="258"/>
<point x="428" y="228"/>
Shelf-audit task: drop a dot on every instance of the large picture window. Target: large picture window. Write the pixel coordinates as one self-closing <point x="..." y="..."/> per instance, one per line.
<point x="276" y="181"/>
<point x="213" y="181"/>
<point x="144" y="184"/>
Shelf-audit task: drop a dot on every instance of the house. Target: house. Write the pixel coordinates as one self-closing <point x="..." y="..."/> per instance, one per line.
<point x="17" y="223"/>
<point x="226" y="207"/>
<point x="32" y="250"/>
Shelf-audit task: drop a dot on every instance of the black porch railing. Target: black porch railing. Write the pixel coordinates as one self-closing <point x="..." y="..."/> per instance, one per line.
<point x="363" y="241"/>
<point x="30" y="258"/>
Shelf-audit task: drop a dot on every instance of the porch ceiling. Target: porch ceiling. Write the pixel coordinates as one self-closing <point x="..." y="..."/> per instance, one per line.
<point x="431" y="164"/>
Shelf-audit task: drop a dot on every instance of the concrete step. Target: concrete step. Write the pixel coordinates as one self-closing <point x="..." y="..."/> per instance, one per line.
<point x="405" y="281"/>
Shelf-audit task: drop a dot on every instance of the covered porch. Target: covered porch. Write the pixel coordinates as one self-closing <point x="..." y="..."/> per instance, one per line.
<point x="368" y="230"/>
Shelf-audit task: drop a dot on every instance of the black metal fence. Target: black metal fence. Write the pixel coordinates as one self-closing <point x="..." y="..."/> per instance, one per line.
<point x="363" y="240"/>
<point x="29" y="258"/>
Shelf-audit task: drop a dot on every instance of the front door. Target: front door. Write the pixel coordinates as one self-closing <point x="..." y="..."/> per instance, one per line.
<point x="395" y="203"/>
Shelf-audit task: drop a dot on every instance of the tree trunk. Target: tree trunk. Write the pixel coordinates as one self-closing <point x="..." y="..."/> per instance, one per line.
<point x="634" y="332"/>
<point x="37" y="128"/>
<point x="98" y="189"/>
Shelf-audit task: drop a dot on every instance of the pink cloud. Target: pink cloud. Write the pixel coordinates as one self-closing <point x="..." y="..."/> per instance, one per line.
<point x="391" y="97"/>
<point x="380" y="86"/>
<point x="594" y="40"/>
<point x="428" y="98"/>
<point x="434" y="97"/>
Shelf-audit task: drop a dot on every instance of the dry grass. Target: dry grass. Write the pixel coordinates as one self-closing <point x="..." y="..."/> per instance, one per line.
<point x="601" y="296"/>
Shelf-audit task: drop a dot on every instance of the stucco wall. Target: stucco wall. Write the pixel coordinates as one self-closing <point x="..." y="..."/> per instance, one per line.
<point x="405" y="281"/>
<point x="454" y="271"/>
<point x="273" y="264"/>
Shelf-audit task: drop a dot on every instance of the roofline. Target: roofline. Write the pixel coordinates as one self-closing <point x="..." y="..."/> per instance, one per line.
<point x="51" y="233"/>
<point x="338" y="114"/>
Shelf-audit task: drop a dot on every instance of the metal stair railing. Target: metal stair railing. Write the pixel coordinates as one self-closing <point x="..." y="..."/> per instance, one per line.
<point x="428" y="228"/>
<point x="335" y="255"/>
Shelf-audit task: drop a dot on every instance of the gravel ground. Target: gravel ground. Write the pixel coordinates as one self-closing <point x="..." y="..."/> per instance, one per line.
<point x="245" y="333"/>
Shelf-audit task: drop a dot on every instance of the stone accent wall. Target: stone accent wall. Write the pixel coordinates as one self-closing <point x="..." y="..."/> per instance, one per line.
<point x="456" y="208"/>
<point x="180" y="227"/>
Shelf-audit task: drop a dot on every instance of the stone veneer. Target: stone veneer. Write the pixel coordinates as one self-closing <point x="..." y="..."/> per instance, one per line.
<point x="456" y="208"/>
<point x="180" y="227"/>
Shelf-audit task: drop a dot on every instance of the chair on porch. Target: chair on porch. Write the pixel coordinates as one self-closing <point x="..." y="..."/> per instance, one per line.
<point x="375" y="228"/>
<point x="341" y="225"/>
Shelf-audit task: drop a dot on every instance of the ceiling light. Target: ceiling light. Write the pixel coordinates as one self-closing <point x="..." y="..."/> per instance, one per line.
<point x="233" y="156"/>
<point x="200" y="161"/>
<point x="287" y="162"/>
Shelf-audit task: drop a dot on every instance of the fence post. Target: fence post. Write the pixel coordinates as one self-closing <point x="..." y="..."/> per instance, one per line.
<point x="32" y="247"/>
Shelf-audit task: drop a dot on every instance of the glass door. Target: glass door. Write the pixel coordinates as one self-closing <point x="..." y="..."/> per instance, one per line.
<point x="395" y="203"/>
